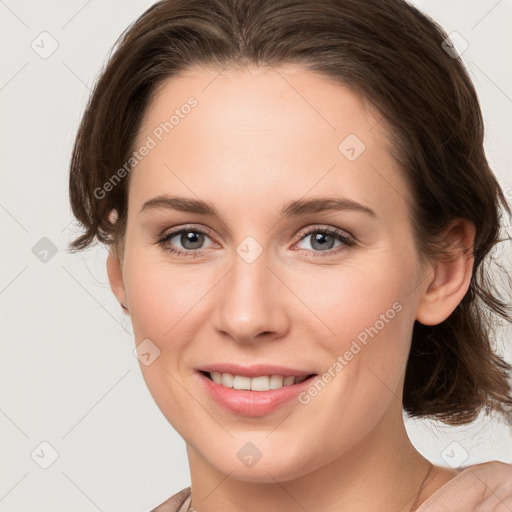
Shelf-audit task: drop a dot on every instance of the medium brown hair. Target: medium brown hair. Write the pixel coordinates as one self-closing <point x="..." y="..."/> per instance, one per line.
<point x="392" y="56"/>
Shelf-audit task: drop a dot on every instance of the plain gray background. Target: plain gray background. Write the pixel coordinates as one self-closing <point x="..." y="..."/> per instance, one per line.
<point x="69" y="378"/>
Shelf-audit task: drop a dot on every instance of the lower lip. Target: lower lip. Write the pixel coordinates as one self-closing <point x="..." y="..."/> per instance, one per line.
<point x="253" y="403"/>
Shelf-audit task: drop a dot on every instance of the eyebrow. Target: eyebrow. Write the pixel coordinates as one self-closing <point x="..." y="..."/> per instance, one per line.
<point x="293" y="208"/>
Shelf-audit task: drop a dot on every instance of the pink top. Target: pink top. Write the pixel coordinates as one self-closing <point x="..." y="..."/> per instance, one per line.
<point x="179" y="502"/>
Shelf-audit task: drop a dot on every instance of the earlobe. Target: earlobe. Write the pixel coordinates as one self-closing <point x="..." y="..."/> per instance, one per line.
<point x="451" y="276"/>
<point x="115" y="276"/>
<point x="114" y="268"/>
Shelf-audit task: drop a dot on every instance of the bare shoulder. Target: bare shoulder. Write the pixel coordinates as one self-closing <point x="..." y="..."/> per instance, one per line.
<point x="176" y="503"/>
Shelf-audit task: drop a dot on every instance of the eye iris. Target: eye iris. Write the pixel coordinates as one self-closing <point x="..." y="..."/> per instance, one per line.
<point x="196" y="239"/>
<point x="321" y="239"/>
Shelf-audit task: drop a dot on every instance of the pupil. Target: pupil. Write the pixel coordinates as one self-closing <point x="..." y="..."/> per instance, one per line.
<point x="321" y="239"/>
<point x="190" y="237"/>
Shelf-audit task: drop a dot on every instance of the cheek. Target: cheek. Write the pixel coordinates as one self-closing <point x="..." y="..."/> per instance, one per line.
<point x="367" y="313"/>
<point x="166" y="308"/>
<point x="163" y="296"/>
<point x="355" y="297"/>
<point x="369" y="310"/>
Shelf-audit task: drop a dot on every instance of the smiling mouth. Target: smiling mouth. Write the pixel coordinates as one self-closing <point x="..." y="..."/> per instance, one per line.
<point x="259" y="383"/>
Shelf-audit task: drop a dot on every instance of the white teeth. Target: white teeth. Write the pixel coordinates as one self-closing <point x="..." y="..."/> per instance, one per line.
<point x="288" y="381"/>
<point x="260" y="383"/>
<point x="263" y="383"/>
<point x="226" y="379"/>
<point x="276" y="382"/>
<point x="240" y="382"/>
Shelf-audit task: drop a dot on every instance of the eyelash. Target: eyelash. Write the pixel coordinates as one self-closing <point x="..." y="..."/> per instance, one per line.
<point x="191" y="253"/>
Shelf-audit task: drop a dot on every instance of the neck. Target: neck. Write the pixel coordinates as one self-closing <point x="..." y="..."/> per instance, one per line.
<point x="382" y="472"/>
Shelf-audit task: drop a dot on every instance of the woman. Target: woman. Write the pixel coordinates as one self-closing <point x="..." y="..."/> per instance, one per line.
<point x="298" y="208"/>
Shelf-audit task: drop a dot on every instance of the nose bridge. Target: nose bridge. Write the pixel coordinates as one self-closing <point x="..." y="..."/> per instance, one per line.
<point x="251" y="300"/>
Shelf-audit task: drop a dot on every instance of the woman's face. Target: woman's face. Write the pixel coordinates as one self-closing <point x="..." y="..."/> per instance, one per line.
<point x="263" y="281"/>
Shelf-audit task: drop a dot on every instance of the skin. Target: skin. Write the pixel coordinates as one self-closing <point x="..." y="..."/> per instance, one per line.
<point x="258" y="139"/>
<point x="484" y="487"/>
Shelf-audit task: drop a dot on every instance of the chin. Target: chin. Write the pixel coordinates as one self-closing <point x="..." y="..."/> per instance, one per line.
<point x="268" y="474"/>
<point x="276" y="465"/>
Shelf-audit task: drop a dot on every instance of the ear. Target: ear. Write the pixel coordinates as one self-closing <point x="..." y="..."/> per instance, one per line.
<point x="451" y="276"/>
<point x="115" y="276"/>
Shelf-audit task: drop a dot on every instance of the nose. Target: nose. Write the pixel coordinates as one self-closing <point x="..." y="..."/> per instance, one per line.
<point x="251" y="303"/>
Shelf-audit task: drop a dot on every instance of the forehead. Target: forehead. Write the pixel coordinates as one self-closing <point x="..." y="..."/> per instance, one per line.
<point x="247" y="128"/>
<point x="287" y="98"/>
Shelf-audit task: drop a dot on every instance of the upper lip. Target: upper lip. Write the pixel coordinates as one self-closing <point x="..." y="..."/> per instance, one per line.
<point x="255" y="370"/>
